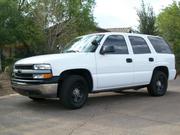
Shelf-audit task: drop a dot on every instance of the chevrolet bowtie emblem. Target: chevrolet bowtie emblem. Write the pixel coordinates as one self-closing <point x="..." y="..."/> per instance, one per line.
<point x="19" y="71"/>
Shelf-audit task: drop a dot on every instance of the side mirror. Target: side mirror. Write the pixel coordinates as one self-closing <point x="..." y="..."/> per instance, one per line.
<point x="107" y="49"/>
<point x="58" y="47"/>
<point x="94" y="42"/>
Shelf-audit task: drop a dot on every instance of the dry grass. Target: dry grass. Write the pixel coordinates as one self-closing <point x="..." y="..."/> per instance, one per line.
<point x="4" y="76"/>
<point x="0" y="85"/>
<point x="5" y="84"/>
<point x="177" y="74"/>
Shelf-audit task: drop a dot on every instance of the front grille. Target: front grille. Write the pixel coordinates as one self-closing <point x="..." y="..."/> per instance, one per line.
<point x="25" y="76"/>
<point x="27" y="72"/>
<point x="26" y="67"/>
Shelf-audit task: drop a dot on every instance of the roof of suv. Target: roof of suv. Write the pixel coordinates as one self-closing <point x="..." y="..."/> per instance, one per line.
<point x="129" y="34"/>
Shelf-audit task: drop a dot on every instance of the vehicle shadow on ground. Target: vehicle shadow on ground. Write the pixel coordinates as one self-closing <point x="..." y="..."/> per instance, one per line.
<point x="95" y="100"/>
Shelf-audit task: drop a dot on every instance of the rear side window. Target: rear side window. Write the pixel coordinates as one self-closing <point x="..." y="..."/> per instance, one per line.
<point x="118" y="42"/>
<point x="139" y="45"/>
<point x="160" y="45"/>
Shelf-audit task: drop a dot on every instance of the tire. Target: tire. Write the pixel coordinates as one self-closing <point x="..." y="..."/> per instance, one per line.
<point x="158" y="85"/>
<point x="74" y="92"/>
<point x="37" y="99"/>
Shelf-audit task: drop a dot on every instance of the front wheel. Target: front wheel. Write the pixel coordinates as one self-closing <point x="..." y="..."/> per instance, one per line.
<point x="74" y="92"/>
<point x="158" y="85"/>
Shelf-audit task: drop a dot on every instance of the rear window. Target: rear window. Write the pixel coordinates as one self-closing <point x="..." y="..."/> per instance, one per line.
<point x="160" y="45"/>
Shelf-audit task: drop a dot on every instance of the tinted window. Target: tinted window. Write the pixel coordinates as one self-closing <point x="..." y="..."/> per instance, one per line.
<point x="139" y="45"/>
<point x="118" y="42"/>
<point x="159" y="45"/>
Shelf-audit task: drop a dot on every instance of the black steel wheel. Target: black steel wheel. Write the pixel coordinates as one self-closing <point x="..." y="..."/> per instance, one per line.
<point x="158" y="85"/>
<point x="74" y="92"/>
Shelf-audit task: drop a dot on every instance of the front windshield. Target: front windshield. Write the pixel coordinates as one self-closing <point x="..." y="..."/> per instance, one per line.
<point x="83" y="44"/>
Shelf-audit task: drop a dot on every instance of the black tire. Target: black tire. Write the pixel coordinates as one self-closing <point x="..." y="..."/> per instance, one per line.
<point x="158" y="85"/>
<point x="37" y="99"/>
<point x="74" y="92"/>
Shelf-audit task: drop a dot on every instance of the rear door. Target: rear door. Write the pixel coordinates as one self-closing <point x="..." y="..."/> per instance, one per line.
<point x="114" y="70"/>
<point x="143" y="60"/>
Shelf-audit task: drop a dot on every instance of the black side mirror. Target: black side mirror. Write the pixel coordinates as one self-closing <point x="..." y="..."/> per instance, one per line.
<point x="94" y="42"/>
<point x="58" y="47"/>
<point x="107" y="49"/>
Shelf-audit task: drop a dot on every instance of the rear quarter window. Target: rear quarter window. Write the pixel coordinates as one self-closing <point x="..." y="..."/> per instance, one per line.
<point x="139" y="45"/>
<point x="160" y="45"/>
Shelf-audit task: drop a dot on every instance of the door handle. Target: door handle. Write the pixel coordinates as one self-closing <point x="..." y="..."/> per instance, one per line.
<point x="151" y="59"/>
<point x="129" y="60"/>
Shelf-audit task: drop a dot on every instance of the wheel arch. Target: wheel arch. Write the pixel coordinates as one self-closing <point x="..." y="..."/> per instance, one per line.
<point x="163" y="69"/>
<point x="85" y="73"/>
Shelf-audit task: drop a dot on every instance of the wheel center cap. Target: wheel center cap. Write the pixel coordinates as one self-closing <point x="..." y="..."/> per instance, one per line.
<point x="76" y="92"/>
<point x="159" y="83"/>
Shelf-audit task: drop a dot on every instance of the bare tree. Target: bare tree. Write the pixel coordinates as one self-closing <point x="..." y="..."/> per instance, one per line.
<point x="61" y="17"/>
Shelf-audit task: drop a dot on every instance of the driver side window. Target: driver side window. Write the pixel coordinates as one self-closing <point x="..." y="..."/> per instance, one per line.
<point x="119" y="44"/>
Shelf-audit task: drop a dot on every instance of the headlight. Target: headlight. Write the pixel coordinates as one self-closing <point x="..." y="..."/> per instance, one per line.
<point x="45" y="72"/>
<point x="42" y="67"/>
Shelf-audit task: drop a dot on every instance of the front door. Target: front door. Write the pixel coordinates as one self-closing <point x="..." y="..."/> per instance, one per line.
<point x="114" y="69"/>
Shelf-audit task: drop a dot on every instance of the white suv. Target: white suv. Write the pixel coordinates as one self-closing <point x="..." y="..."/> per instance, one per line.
<point x="97" y="63"/>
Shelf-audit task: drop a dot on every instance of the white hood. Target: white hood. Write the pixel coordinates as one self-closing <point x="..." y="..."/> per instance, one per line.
<point x="48" y="58"/>
<point x="61" y="62"/>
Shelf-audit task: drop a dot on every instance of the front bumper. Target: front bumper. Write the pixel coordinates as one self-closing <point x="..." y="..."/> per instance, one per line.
<point x="36" y="88"/>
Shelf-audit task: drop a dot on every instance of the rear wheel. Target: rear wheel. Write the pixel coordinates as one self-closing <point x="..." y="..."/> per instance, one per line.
<point x="158" y="85"/>
<point x="74" y="92"/>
